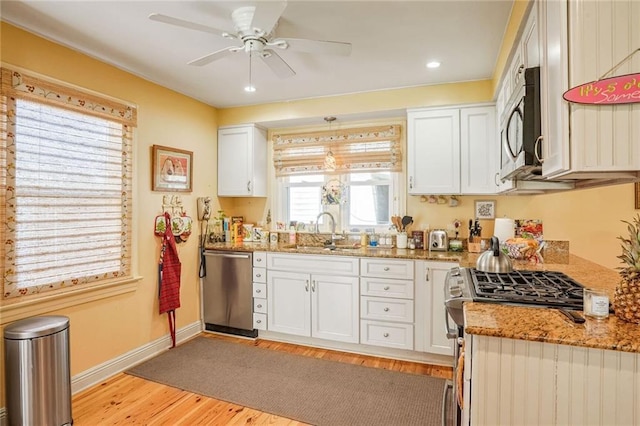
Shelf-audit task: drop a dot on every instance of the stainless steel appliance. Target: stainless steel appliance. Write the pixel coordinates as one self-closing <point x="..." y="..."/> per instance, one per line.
<point x="547" y="289"/>
<point x="493" y="260"/>
<point x="521" y="130"/>
<point x="438" y="240"/>
<point x="227" y="293"/>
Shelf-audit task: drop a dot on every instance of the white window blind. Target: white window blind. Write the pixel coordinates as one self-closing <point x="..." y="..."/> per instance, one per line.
<point x="354" y="149"/>
<point x="67" y="189"/>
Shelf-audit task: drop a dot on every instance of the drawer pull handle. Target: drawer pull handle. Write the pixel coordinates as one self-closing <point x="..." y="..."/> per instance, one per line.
<point x="259" y="259"/>
<point x="258" y="275"/>
<point x="260" y="305"/>
<point x="258" y="321"/>
<point x="387" y="287"/>
<point x="386" y="268"/>
<point x="386" y="334"/>
<point x="306" y="286"/>
<point x="386" y="309"/>
<point x="258" y="291"/>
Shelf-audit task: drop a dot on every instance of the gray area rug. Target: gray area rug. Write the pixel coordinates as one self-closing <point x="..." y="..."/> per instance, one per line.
<point x="309" y="390"/>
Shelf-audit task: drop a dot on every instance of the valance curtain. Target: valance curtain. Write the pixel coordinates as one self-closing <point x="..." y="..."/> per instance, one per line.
<point x="65" y="185"/>
<point x="355" y="149"/>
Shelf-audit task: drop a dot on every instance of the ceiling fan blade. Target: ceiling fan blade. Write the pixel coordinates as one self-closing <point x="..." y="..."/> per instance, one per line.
<point x="185" y="24"/>
<point x="267" y="14"/>
<point x="207" y="59"/>
<point x="277" y="64"/>
<point x="317" y="46"/>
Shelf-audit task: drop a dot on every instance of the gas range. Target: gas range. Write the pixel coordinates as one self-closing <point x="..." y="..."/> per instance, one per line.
<point x="547" y="289"/>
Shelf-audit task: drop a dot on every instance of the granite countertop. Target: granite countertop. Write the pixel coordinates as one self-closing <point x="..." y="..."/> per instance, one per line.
<point x="508" y="321"/>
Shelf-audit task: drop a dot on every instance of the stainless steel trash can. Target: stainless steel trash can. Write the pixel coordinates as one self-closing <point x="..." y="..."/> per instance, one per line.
<point x="37" y="371"/>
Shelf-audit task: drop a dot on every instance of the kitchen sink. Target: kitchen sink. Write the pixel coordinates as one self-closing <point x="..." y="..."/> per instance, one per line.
<point x="319" y="247"/>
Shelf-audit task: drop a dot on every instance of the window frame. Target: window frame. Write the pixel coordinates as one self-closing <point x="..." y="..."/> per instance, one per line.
<point x="23" y="84"/>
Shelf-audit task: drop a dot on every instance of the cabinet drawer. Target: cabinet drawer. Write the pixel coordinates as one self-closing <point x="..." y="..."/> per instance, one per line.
<point x="387" y="268"/>
<point x="259" y="305"/>
<point x="386" y="334"/>
<point x="260" y="259"/>
<point x="384" y="309"/>
<point x="309" y="264"/>
<point x="259" y="275"/>
<point x="399" y="289"/>
<point x="259" y="321"/>
<point x="260" y="290"/>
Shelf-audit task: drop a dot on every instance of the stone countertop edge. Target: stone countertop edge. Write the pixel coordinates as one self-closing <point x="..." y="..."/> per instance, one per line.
<point x="508" y="321"/>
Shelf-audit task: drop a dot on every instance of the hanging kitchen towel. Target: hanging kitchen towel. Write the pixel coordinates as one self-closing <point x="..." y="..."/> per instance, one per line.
<point x="169" y="278"/>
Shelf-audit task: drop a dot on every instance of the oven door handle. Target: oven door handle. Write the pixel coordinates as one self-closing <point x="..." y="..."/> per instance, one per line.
<point x="452" y="333"/>
<point x="447" y="403"/>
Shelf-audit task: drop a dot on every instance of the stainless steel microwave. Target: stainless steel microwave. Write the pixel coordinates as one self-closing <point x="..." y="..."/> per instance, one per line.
<point x="520" y="131"/>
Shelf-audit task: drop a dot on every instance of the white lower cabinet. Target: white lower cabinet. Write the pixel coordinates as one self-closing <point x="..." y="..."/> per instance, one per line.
<point x="386" y="303"/>
<point x="431" y="316"/>
<point x="317" y="305"/>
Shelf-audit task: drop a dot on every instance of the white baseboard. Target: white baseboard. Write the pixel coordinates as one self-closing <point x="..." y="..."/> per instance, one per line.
<point x="125" y="361"/>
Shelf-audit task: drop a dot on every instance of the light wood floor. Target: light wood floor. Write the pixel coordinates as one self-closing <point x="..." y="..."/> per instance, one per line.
<point x="126" y="400"/>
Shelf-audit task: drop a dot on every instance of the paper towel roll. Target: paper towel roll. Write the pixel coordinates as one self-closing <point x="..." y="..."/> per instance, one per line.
<point x="504" y="228"/>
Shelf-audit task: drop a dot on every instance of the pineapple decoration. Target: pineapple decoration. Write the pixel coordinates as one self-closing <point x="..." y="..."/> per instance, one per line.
<point x="626" y="299"/>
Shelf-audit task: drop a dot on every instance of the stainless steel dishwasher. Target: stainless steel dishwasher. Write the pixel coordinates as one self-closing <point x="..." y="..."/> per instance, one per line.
<point x="227" y="293"/>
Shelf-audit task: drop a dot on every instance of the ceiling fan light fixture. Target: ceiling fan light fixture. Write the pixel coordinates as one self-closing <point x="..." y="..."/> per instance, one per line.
<point x="433" y="64"/>
<point x="250" y="89"/>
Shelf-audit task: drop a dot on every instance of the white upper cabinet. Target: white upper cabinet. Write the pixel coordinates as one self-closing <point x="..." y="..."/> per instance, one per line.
<point x="242" y="161"/>
<point x="451" y="150"/>
<point x="478" y="150"/>
<point x="580" y="41"/>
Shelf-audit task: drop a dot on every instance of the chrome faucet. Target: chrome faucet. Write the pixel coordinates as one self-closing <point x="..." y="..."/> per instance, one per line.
<point x="334" y="237"/>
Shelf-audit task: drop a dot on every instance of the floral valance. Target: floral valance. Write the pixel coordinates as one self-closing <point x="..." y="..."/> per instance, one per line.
<point x="23" y="85"/>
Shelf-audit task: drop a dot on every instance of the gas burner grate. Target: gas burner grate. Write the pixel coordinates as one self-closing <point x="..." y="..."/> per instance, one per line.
<point x="542" y="288"/>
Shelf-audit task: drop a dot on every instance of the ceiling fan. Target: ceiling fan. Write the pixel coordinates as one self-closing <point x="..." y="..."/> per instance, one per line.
<point x="255" y="28"/>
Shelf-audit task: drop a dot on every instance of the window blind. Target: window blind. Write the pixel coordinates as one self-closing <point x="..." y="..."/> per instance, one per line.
<point x="354" y="149"/>
<point x="67" y="186"/>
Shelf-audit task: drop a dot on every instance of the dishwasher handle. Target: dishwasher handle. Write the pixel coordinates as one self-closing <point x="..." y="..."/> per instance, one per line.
<point x="228" y="255"/>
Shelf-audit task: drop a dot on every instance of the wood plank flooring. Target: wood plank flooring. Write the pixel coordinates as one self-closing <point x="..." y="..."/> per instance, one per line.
<point x="126" y="400"/>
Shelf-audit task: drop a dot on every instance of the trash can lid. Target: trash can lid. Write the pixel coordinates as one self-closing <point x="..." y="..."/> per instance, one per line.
<point x="30" y="328"/>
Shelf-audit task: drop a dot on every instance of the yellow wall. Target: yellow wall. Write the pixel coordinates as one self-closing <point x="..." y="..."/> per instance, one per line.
<point x="103" y="330"/>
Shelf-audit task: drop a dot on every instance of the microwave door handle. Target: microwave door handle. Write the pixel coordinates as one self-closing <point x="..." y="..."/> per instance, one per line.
<point x="506" y="144"/>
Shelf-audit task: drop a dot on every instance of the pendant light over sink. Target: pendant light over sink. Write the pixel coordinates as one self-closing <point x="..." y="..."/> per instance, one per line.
<point x="329" y="159"/>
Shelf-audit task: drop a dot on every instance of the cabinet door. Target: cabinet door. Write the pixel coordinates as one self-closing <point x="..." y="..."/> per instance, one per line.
<point x="433" y="151"/>
<point x="431" y="335"/>
<point x="335" y="313"/>
<point x="531" y="41"/>
<point x="288" y="302"/>
<point x="478" y="145"/>
<point x="552" y="19"/>
<point x="242" y="162"/>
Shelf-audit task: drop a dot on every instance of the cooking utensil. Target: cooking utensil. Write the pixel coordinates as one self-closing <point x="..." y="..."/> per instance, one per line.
<point x="493" y="260"/>
<point x="406" y="220"/>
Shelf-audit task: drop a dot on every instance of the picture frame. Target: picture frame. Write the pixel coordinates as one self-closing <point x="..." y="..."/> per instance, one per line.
<point x="485" y="209"/>
<point x="172" y="169"/>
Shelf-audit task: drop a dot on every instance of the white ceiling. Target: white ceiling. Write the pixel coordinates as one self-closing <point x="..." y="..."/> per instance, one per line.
<point x="391" y="43"/>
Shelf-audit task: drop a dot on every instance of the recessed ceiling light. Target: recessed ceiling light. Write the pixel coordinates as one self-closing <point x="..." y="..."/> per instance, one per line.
<point x="249" y="89"/>
<point x="433" y="64"/>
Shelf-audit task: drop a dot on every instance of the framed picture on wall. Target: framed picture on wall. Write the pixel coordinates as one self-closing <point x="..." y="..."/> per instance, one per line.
<point x="485" y="209"/>
<point x="172" y="169"/>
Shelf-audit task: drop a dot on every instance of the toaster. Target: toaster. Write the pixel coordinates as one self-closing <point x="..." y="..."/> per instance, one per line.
<point x="438" y="240"/>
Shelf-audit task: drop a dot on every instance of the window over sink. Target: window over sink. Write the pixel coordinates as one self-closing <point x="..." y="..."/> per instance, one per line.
<point x="353" y="173"/>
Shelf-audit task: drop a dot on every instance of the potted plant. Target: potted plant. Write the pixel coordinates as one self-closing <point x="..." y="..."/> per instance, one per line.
<point x="626" y="299"/>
